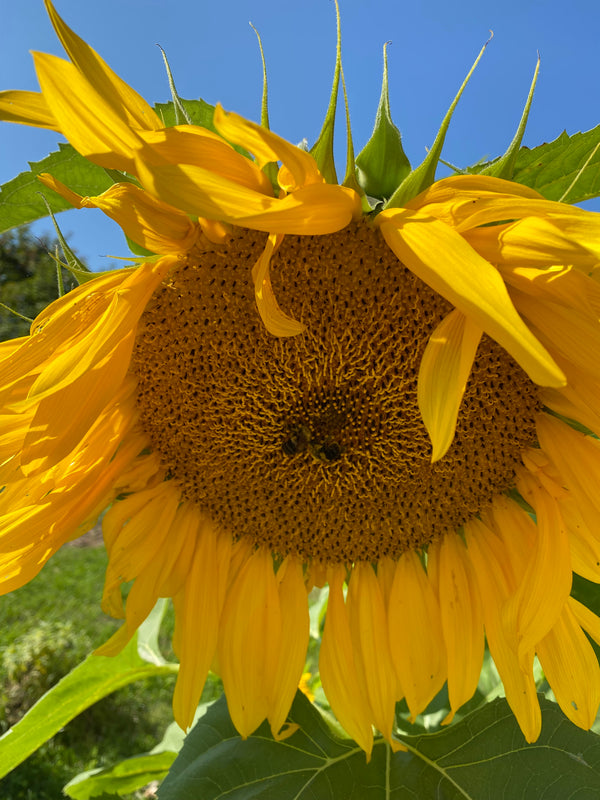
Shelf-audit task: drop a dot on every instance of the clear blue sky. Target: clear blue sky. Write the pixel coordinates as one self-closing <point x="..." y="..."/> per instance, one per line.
<point x="214" y="55"/>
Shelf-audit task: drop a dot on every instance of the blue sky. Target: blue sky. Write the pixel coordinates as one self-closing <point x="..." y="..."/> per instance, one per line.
<point x="214" y="55"/>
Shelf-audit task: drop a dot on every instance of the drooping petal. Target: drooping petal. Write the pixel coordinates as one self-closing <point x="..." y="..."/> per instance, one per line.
<point x="339" y="675"/>
<point x="550" y="565"/>
<point x="488" y="557"/>
<point x="469" y="282"/>
<point x="415" y="634"/>
<point x="462" y="619"/>
<point x="572" y="670"/>
<point x="443" y="374"/>
<point x="295" y="625"/>
<point x="197" y="616"/>
<point x="369" y="631"/>
<point x="250" y="625"/>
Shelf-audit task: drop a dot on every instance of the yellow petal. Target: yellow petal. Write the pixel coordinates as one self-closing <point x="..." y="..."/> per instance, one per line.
<point x="27" y="108"/>
<point x="572" y="670"/>
<point x="415" y="634"/>
<point x="250" y="625"/>
<point x="469" y="282"/>
<point x="275" y="320"/>
<point x="340" y="678"/>
<point x="462" y="619"/>
<point x="488" y="557"/>
<point x="96" y="363"/>
<point x="295" y="625"/>
<point x="583" y="543"/>
<point x="550" y="565"/>
<point x="443" y="375"/>
<point x="155" y="225"/>
<point x="566" y="331"/>
<point x="197" y="624"/>
<point x="114" y="91"/>
<point x="314" y="209"/>
<point x="369" y="630"/>
<point x="93" y="128"/>
<point x="576" y="457"/>
<point x="268" y="147"/>
<point x="538" y="242"/>
<point x="199" y="147"/>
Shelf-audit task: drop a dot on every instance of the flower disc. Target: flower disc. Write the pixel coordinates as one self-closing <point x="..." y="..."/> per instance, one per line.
<point x="314" y="444"/>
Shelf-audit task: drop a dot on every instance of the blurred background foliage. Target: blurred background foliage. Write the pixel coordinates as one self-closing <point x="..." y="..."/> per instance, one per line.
<point x="28" y="279"/>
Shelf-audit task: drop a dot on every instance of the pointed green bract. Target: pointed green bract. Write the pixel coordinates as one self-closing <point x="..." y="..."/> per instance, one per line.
<point x="350" y="177"/>
<point x="181" y="114"/>
<point x="322" y="150"/>
<point x="264" y="105"/>
<point x="504" y="167"/>
<point x="75" y="266"/>
<point x="382" y="164"/>
<point x="424" y="175"/>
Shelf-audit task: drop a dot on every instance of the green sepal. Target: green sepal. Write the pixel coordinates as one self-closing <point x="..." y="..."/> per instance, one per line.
<point x="76" y="267"/>
<point x="382" y="164"/>
<point x="271" y="169"/>
<point x="350" y="179"/>
<point x="424" y="175"/>
<point x="322" y="150"/>
<point x="181" y="115"/>
<point x="504" y="167"/>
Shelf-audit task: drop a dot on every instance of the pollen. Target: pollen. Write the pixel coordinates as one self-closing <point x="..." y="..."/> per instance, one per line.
<point x="313" y="445"/>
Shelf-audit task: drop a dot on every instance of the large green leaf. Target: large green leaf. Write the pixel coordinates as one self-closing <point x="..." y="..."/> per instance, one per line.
<point x="92" y="680"/>
<point x="484" y="756"/>
<point x="566" y="169"/>
<point x="21" y="199"/>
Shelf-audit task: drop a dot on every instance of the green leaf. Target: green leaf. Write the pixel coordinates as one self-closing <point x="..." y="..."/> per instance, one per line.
<point x="92" y="680"/>
<point x="123" y="778"/>
<point x="566" y="169"/>
<point x="382" y="164"/>
<point x="484" y="756"/>
<point x="199" y="112"/>
<point x="21" y="200"/>
<point x="132" y="773"/>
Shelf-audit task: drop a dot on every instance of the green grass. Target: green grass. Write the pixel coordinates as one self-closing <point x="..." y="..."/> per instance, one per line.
<point x="46" y="628"/>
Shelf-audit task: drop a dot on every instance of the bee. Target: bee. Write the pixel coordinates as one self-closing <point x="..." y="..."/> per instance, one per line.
<point x="329" y="451"/>
<point x="297" y="440"/>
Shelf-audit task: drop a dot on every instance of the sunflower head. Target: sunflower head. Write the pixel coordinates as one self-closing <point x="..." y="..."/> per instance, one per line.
<point x="389" y="385"/>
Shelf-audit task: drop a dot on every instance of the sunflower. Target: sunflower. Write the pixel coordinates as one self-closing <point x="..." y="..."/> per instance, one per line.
<point x="296" y="391"/>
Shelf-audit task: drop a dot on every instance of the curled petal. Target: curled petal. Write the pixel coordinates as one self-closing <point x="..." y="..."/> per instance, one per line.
<point x="275" y="320"/>
<point x="268" y="147"/>
<point x="443" y="375"/>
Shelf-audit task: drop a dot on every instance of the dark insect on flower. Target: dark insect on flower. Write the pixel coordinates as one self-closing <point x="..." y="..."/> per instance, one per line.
<point x="297" y="440"/>
<point x="330" y="451"/>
